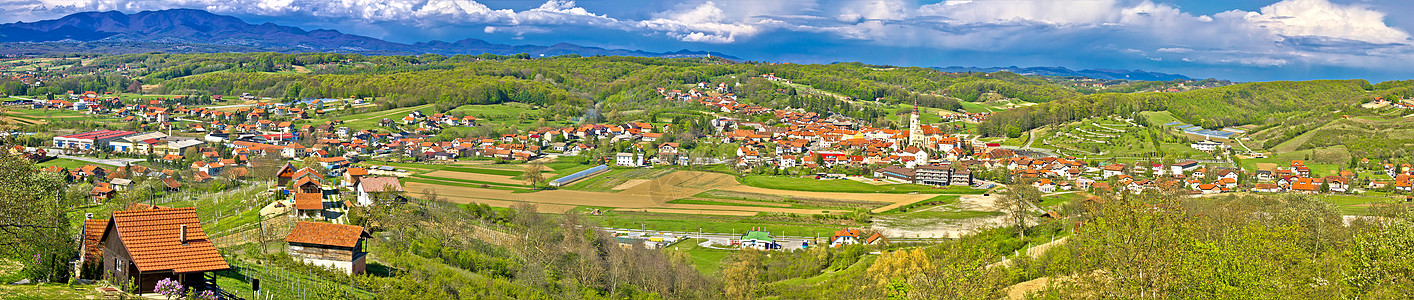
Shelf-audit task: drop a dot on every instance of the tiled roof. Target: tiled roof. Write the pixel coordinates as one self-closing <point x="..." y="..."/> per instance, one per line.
<point x="140" y="206"/>
<point x="379" y="184"/>
<point x="325" y="234"/>
<point x="152" y="239"/>
<point x="92" y="235"/>
<point x="309" y="201"/>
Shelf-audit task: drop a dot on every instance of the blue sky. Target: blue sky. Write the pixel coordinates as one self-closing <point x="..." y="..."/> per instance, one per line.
<point x="1245" y="40"/>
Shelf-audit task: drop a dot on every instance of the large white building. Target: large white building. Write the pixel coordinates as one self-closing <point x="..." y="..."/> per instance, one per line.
<point x="90" y="140"/>
<point x="1207" y="146"/>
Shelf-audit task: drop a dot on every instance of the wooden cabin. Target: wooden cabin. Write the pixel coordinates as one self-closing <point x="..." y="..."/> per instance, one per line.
<point x="329" y="245"/>
<point x="146" y="246"/>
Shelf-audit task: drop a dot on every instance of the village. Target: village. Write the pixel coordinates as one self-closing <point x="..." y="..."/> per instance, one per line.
<point x="224" y="143"/>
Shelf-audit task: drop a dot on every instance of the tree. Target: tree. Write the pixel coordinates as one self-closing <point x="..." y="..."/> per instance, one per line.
<point x="313" y="164"/>
<point x="533" y="175"/>
<point x="1016" y="203"/>
<point x="743" y="276"/>
<point x="33" y="227"/>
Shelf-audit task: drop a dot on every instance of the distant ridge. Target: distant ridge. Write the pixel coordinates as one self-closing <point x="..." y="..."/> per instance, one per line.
<point x="190" y="30"/>
<point x="1105" y="74"/>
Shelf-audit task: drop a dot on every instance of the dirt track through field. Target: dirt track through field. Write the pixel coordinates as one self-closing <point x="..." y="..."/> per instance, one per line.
<point x="693" y="212"/>
<point x="639" y="197"/>
<point x="873" y="197"/>
<point x="475" y="176"/>
<point x="652" y="194"/>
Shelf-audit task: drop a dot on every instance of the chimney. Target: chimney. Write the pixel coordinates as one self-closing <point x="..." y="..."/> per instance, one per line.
<point x="183" y="237"/>
<point x="88" y="216"/>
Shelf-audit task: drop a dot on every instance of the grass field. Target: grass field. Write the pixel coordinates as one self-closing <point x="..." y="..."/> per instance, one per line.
<point x="371" y="119"/>
<point x="709" y="223"/>
<point x="1356" y="205"/>
<point x="847" y="186"/>
<point x="506" y="114"/>
<point x="1109" y="137"/>
<point x="707" y="260"/>
<point x="1059" y="199"/>
<point x="922" y="218"/>
<point x="1324" y="161"/>
<point x="67" y="163"/>
<point x="1159" y="117"/>
<point x="711" y="202"/>
<point x="483" y="171"/>
<point x="605" y="182"/>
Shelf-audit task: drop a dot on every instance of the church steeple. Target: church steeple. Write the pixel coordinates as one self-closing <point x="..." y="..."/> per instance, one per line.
<point x="915" y="130"/>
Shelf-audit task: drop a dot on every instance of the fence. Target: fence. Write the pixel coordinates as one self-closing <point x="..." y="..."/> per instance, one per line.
<point x="280" y="283"/>
<point x="275" y="227"/>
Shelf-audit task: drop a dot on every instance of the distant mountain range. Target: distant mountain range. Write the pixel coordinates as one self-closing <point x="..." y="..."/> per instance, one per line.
<point x="189" y="30"/>
<point x="1062" y="71"/>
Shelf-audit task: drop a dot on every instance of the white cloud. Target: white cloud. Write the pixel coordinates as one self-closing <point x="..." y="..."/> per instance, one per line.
<point x="1289" y="32"/>
<point x="1325" y="19"/>
<point x="1042" y="11"/>
<point x="703" y="23"/>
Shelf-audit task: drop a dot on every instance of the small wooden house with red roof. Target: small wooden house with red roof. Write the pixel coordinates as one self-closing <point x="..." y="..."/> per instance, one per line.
<point x="146" y="246"/>
<point x="285" y="174"/>
<point x="309" y="205"/>
<point x="329" y="245"/>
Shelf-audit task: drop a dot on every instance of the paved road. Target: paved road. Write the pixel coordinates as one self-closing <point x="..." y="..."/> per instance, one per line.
<point x="119" y="162"/>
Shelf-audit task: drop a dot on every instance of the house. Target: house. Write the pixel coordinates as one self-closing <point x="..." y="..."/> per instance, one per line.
<point x="844" y="237"/>
<point x="374" y="188"/>
<point x="101" y="192"/>
<point x="285" y="174"/>
<point x="759" y="240"/>
<point x="1112" y="170"/>
<point x="352" y="176"/>
<point x="91" y="250"/>
<point x="309" y="205"/>
<point x="1186" y="166"/>
<point x="309" y="181"/>
<point x="1208" y="188"/>
<point x="875" y="239"/>
<point x="329" y="245"/>
<point x="142" y="247"/>
<point x="626" y="160"/>
<point x="171" y="184"/>
<point x="1267" y="188"/>
<point x="1045" y="186"/>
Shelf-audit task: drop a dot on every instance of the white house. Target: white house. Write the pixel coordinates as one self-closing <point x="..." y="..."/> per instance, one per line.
<point x="370" y="188"/>
<point x="627" y="160"/>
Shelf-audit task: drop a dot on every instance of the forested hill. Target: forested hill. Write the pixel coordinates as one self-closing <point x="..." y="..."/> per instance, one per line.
<point x="190" y="30"/>
<point x="570" y="81"/>
<point x="1251" y="103"/>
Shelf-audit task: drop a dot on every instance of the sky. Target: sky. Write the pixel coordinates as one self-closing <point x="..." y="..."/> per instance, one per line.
<point x="1242" y="40"/>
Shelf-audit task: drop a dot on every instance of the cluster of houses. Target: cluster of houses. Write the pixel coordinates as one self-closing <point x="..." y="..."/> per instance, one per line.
<point x="762" y="240"/>
<point x="430" y="123"/>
